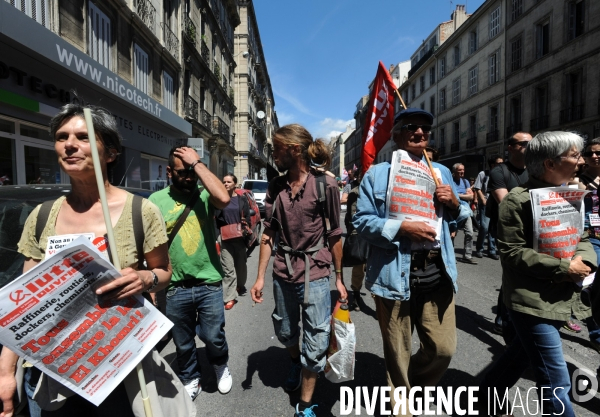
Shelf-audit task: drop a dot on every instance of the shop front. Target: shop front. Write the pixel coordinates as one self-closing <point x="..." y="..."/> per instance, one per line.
<point x="39" y="73"/>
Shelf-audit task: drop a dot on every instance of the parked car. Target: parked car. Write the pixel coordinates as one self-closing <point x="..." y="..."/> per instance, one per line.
<point x="16" y="203"/>
<point x="259" y="189"/>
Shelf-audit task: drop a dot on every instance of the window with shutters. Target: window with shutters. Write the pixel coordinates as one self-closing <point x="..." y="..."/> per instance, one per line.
<point x="141" y="68"/>
<point x="473" y="41"/>
<point x="494" y="67"/>
<point x="576" y="22"/>
<point x="443" y="67"/>
<point x="495" y="22"/>
<point x="516" y="9"/>
<point x="516" y="53"/>
<point x="38" y="10"/>
<point x="456" y="91"/>
<point x="422" y="83"/>
<point x="542" y="39"/>
<point x="168" y="92"/>
<point x="432" y="75"/>
<point x="473" y="84"/>
<point x="432" y="105"/>
<point x="442" y="99"/>
<point x="456" y="55"/>
<point x="99" y="36"/>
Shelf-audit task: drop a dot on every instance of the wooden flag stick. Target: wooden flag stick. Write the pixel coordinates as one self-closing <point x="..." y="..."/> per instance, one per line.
<point x="435" y="178"/>
<point x="400" y="97"/>
<point x="111" y="237"/>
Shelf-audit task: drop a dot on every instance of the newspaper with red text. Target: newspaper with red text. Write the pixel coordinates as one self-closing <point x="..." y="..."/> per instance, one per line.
<point x="52" y="317"/>
<point x="410" y="192"/>
<point x="558" y="216"/>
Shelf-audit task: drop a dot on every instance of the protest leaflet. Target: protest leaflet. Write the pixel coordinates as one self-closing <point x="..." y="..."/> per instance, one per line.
<point x="53" y="318"/>
<point x="558" y="215"/>
<point x="410" y="191"/>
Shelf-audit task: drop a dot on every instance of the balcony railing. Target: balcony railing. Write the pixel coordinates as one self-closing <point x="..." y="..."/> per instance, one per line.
<point x="205" y="53"/>
<point x="170" y="39"/>
<point x="539" y="123"/>
<point x="493" y="136"/>
<point x="471" y="142"/>
<point x="570" y="114"/>
<point x="220" y="128"/>
<point x="190" y="30"/>
<point x="252" y="150"/>
<point x="512" y="129"/>
<point x="147" y="12"/>
<point x="191" y="108"/>
<point x="205" y="118"/>
<point x="454" y="147"/>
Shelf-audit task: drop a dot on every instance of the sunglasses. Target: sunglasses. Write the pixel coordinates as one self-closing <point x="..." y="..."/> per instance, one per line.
<point x="591" y="153"/>
<point x="522" y="143"/>
<point x="413" y="127"/>
<point x="186" y="172"/>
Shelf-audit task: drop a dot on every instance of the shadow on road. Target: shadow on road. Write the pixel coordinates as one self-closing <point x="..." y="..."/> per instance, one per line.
<point x="271" y="367"/>
<point x="478" y="326"/>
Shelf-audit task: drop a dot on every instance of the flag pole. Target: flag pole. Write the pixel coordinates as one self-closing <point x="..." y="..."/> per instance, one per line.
<point x="111" y="237"/>
<point x="435" y="178"/>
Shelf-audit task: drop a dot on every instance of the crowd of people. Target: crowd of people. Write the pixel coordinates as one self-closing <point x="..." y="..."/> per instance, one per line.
<point x="193" y="254"/>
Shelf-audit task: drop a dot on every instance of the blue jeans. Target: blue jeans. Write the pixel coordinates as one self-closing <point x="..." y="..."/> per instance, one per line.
<point x="484" y="224"/>
<point x="538" y="344"/>
<point x="316" y="319"/>
<point x="197" y="310"/>
<point x="593" y="327"/>
<point x="115" y="405"/>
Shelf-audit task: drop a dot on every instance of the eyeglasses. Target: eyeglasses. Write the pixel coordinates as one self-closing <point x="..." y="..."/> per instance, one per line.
<point x="591" y="153"/>
<point x="413" y="128"/>
<point x="186" y="172"/>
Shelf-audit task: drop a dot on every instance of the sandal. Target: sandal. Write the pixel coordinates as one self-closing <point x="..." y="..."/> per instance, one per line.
<point x="571" y="326"/>
<point x="229" y="304"/>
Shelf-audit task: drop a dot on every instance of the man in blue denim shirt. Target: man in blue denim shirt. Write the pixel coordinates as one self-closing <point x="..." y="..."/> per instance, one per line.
<point x="395" y="267"/>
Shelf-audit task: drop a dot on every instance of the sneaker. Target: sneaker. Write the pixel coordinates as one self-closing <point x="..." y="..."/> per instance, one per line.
<point x="224" y="380"/>
<point x="469" y="261"/>
<point x="308" y="412"/>
<point x="193" y="388"/>
<point x="494" y="256"/>
<point x="478" y="254"/>
<point x="572" y="327"/>
<point x="294" y="379"/>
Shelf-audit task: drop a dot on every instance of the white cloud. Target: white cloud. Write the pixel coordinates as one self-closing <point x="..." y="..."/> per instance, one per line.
<point x="329" y="127"/>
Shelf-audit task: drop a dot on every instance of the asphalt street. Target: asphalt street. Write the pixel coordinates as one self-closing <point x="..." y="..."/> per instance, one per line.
<point x="259" y="364"/>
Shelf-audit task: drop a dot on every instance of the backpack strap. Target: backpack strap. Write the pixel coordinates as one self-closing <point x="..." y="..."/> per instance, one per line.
<point x="183" y="217"/>
<point x="322" y="199"/>
<point x="138" y="228"/>
<point x="42" y="218"/>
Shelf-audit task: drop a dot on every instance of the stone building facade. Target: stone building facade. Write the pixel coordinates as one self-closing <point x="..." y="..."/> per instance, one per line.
<point x="255" y="118"/>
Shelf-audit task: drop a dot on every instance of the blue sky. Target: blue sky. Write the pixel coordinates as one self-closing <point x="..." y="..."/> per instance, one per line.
<point x="322" y="54"/>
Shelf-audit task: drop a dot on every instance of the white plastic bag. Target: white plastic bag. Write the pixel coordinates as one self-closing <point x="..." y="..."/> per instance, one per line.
<point x="340" y="355"/>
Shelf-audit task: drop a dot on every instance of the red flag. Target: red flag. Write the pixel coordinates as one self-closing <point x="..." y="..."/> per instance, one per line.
<point x="380" y="117"/>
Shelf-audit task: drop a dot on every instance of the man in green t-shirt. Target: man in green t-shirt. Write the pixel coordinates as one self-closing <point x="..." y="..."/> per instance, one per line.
<point x="195" y="294"/>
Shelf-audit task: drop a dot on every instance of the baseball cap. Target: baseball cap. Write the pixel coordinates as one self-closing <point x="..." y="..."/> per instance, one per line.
<point x="412" y="111"/>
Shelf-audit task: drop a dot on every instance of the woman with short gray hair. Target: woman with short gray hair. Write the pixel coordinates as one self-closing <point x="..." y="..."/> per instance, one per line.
<point x="539" y="289"/>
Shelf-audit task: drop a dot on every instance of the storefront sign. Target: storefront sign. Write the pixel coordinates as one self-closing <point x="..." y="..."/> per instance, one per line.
<point x="21" y="29"/>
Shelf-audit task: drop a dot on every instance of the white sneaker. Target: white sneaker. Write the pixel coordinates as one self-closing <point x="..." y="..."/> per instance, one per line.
<point x="224" y="379"/>
<point x="193" y="388"/>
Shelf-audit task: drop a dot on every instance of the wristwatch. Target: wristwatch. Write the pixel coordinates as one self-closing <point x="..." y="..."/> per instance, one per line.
<point x="154" y="281"/>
